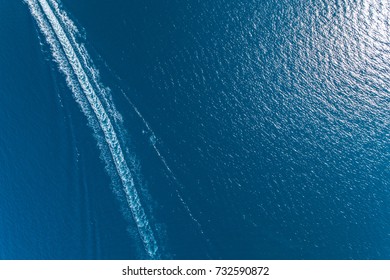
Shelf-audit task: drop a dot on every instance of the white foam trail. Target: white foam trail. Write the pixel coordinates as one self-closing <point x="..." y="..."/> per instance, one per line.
<point x="64" y="17"/>
<point x="78" y="73"/>
<point x="92" y="72"/>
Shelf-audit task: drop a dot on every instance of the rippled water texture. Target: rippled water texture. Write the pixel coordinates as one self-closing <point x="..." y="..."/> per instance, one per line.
<point x="195" y="129"/>
<point x="276" y="115"/>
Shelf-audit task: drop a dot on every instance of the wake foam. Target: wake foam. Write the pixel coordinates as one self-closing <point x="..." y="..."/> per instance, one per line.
<point x="95" y="101"/>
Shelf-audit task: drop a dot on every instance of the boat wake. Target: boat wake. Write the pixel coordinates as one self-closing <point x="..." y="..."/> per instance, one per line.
<point x="96" y="103"/>
<point x="153" y="142"/>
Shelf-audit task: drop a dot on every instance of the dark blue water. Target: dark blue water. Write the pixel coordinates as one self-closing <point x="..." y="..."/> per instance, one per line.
<point x="252" y="130"/>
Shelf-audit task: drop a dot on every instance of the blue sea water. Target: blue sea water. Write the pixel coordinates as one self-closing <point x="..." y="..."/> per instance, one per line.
<point x="249" y="129"/>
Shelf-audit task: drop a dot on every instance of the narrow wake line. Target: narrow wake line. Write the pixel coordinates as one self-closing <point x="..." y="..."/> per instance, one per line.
<point x="153" y="142"/>
<point x="67" y="56"/>
<point x="169" y="170"/>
